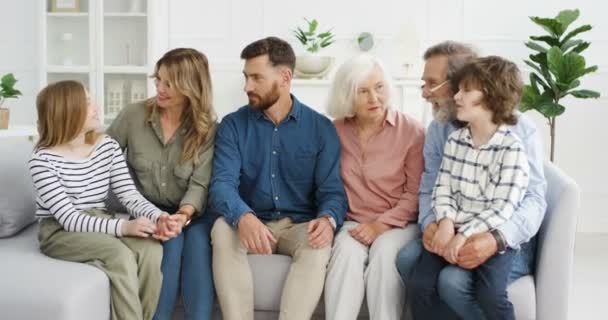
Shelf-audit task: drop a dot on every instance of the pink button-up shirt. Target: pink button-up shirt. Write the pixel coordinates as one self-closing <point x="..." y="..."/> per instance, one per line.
<point x="381" y="179"/>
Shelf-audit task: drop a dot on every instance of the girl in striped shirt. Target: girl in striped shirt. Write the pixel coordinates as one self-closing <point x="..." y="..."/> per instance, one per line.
<point x="482" y="180"/>
<point x="73" y="169"/>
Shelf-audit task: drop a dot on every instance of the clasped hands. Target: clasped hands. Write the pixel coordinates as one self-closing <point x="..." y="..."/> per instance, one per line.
<point x="167" y="226"/>
<point x="467" y="253"/>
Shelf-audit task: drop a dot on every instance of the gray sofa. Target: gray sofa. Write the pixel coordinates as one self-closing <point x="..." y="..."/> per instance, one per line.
<point x="34" y="286"/>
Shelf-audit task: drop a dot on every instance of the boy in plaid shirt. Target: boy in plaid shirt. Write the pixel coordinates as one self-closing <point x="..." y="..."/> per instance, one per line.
<point x="482" y="180"/>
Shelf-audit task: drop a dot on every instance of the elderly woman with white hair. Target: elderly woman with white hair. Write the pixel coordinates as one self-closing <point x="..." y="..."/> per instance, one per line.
<point x="381" y="167"/>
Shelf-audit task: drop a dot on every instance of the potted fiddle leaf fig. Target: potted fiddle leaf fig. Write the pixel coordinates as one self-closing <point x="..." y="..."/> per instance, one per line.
<point x="311" y="64"/>
<point x="7" y="91"/>
<point x="558" y="66"/>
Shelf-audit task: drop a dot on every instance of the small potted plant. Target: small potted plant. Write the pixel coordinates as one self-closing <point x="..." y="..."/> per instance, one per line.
<point x="312" y="64"/>
<point x="7" y="90"/>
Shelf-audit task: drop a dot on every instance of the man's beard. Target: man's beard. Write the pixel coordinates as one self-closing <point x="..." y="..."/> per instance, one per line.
<point x="265" y="102"/>
<point x="444" y="111"/>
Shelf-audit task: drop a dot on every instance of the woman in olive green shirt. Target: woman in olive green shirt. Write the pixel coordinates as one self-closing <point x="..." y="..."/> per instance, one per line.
<point x="169" y="141"/>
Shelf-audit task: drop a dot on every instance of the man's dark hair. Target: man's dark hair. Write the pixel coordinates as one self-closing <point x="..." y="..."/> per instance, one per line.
<point x="278" y="50"/>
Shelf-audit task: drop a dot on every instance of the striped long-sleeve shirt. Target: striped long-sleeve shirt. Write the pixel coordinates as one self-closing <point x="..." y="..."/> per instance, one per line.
<point x="479" y="188"/>
<point x="65" y="187"/>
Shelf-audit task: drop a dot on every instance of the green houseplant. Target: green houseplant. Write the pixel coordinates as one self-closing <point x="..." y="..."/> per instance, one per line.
<point x="557" y="66"/>
<point x="312" y="64"/>
<point x="312" y="40"/>
<point x="7" y="91"/>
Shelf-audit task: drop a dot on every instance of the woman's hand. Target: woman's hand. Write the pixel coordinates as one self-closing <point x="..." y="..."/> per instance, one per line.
<point x="367" y="233"/>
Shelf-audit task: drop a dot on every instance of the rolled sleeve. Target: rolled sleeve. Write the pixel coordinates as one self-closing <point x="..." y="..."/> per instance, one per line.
<point x="198" y="186"/>
<point x="224" y="197"/>
<point x="330" y="193"/>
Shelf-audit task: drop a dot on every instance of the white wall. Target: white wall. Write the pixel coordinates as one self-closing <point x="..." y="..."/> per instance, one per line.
<point x="221" y="28"/>
<point x="19" y="54"/>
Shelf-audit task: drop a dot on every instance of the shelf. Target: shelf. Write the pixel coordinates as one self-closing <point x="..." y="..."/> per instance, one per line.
<point x="126" y="69"/>
<point x="68" y="14"/>
<point x="19" y="131"/>
<point x="124" y="14"/>
<point x="67" y="69"/>
<point x="401" y="82"/>
<point x="311" y="82"/>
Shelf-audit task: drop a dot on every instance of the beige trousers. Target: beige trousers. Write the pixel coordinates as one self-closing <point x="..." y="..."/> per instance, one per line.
<point x="233" y="278"/>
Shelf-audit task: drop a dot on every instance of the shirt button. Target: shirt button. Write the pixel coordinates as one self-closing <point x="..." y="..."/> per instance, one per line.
<point x="276" y="198"/>
<point x="163" y="167"/>
<point x="272" y="175"/>
<point x="275" y="129"/>
<point x="278" y="212"/>
<point x="163" y="184"/>
<point x="274" y="152"/>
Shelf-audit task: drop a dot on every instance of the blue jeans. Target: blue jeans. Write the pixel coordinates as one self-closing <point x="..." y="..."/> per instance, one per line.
<point x="490" y="285"/>
<point x="187" y="262"/>
<point x="455" y="286"/>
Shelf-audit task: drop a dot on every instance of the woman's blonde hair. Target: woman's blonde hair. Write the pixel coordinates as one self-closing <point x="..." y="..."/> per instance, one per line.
<point x="346" y="81"/>
<point x="188" y="72"/>
<point x="62" y="112"/>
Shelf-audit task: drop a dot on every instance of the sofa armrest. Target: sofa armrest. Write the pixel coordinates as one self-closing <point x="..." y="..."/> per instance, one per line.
<point x="555" y="253"/>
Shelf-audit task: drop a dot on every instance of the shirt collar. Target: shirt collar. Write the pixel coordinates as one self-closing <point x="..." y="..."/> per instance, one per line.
<point x="391" y="117"/>
<point x="495" y="140"/>
<point x="154" y="121"/>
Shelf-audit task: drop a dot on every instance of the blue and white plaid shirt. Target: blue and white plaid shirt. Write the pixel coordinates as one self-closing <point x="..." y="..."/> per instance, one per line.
<point x="480" y="187"/>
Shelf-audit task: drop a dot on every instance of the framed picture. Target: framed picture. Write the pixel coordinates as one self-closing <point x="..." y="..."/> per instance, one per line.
<point x="65" y="5"/>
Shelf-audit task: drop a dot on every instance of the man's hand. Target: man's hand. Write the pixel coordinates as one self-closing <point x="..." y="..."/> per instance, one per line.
<point x="477" y="249"/>
<point x="254" y="235"/>
<point x="444" y="234"/>
<point x="320" y="232"/>
<point x="367" y="233"/>
<point x="450" y="254"/>
<point x="428" y="235"/>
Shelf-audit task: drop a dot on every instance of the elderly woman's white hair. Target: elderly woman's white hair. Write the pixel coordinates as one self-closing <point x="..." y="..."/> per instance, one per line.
<point x="346" y="82"/>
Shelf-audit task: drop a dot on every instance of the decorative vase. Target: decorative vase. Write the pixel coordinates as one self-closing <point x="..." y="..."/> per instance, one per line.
<point x="312" y="66"/>
<point x="4" y="116"/>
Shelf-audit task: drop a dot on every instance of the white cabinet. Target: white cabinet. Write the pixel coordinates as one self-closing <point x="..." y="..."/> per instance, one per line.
<point x="108" y="45"/>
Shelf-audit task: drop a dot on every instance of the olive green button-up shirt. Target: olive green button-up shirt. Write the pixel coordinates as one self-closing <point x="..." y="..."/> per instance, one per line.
<point x="157" y="169"/>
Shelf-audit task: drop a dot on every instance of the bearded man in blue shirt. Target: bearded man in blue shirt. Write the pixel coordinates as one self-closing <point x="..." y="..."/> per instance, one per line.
<point x="276" y="182"/>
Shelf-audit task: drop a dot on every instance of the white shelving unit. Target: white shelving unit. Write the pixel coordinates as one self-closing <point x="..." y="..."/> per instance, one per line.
<point x="108" y="45"/>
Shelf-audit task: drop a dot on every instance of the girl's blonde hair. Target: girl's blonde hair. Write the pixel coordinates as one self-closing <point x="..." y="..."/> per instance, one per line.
<point x="188" y="72"/>
<point x="62" y="112"/>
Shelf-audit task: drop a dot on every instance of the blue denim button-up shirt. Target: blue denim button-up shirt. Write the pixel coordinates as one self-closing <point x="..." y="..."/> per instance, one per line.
<point x="287" y="170"/>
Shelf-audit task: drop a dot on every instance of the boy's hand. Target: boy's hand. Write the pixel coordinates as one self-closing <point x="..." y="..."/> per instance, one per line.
<point x="442" y="237"/>
<point x="451" y="251"/>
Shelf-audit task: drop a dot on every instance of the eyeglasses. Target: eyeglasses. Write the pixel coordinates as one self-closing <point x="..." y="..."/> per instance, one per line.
<point x="435" y="88"/>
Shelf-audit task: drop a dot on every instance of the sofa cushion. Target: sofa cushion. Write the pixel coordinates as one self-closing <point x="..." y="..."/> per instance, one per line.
<point x="34" y="286"/>
<point x="522" y="294"/>
<point x="17" y="205"/>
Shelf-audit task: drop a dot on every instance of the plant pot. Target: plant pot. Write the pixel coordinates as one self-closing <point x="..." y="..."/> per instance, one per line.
<point x="4" y="116"/>
<point x="313" y="66"/>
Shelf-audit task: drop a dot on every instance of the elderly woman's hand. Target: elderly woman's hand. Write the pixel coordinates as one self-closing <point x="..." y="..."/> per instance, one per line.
<point x="367" y="233"/>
